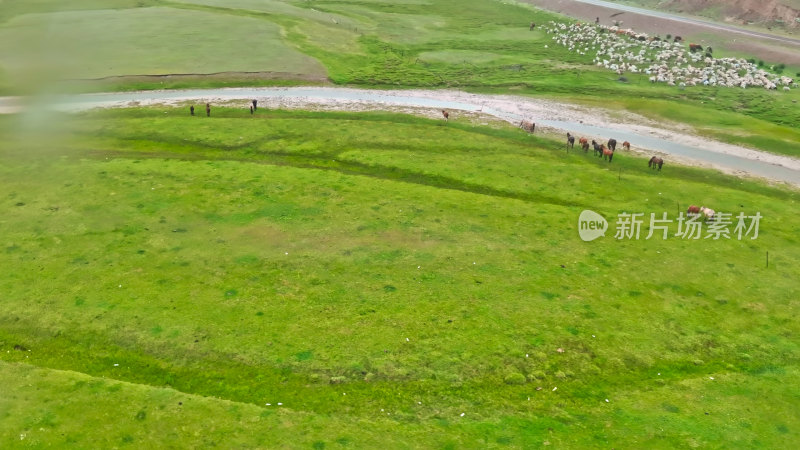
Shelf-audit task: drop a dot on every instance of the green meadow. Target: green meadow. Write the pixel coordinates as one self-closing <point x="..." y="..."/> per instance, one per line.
<point x="388" y="280"/>
<point x="474" y="45"/>
<point x="318" y="280"/>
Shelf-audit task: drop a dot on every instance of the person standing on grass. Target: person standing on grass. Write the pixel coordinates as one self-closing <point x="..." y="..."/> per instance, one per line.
<point x="191" y="110"/>
<point x="208" y="109"/>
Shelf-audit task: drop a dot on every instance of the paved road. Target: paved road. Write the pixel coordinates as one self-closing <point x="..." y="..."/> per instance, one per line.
<point x="718" y="26"/>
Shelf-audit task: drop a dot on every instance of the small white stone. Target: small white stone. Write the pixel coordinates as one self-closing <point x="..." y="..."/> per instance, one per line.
<point x="710" y="378"/>
<point x="555" y="388"/>
<point x="526" y="355"/>
<point x="116" y="365"/>
<point x="407" y="340"/>
<point x="462" y="414"/>
<point x="269" y="404"/>
<point x="280" y="404"/>
<point x="286" y="253"/>
<point x="606" y="400"/>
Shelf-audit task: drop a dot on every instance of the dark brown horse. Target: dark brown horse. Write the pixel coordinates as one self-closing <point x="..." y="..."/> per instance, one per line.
<point x="693" y="210"/>
<point x="626" y="145"/>
<point x="446" y="115"/>
<point x="570" y="140"/>
<point x="655" y="161"/>
<point x="598" y="149"/>
<point x="612" y="144"/>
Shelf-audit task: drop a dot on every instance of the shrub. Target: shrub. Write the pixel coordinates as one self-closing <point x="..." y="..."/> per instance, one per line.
<point x="536" y="375"/>
<point x="514" y="378"/>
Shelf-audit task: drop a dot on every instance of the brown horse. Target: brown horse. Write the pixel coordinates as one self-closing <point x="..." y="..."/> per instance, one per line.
<point x="626" y="145"/>
<point x="527" y="126"/>
<point x="693" y="210"/>
<point x="612" y="144"/>
<point x="655" y="161"/>
<point x="446" y="115"/>
<point x="570" y="141"/>
<point x="607" y="153"/>
<point x="584" y="144"/>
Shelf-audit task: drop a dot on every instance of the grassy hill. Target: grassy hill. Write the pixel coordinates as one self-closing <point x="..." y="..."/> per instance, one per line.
<point x="389" y="280"/>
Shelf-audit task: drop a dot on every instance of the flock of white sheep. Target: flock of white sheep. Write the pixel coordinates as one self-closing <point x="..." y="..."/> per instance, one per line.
<point x="626" y="51"/>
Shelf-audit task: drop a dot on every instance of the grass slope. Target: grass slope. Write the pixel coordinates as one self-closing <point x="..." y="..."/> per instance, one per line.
<point x="153" y="41"/>
<point x="380" y="275"/>
<point x="475" y="45"/>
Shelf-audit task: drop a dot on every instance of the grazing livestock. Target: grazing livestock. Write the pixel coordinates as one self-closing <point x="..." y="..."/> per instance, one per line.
<point x="255" y="104"/>
<point x="708" y="212"/>
<point x="598" y="149"/>
<point x="695" y="47"/>
<point x="607" y="153"/>
<point x="446" y="115"/>
<point x="693" y="210"/>
<point x="612" y="144"/>
<point x="655" y="161"/>
<point x="627" y="51"/>
<point x="570" y="141"/>
<point x="527" y="126"/>
<point x="584" y="144"/>
<point x="533" y="25"/>
<point x="626" y="145"/>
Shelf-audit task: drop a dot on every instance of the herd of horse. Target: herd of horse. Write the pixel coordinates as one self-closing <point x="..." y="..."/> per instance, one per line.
<point x="605" y="151"/>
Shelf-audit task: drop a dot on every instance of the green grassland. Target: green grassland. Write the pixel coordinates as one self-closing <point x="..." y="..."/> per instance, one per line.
<point x="474" y="45"/>
<point x="167" y="276"/>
